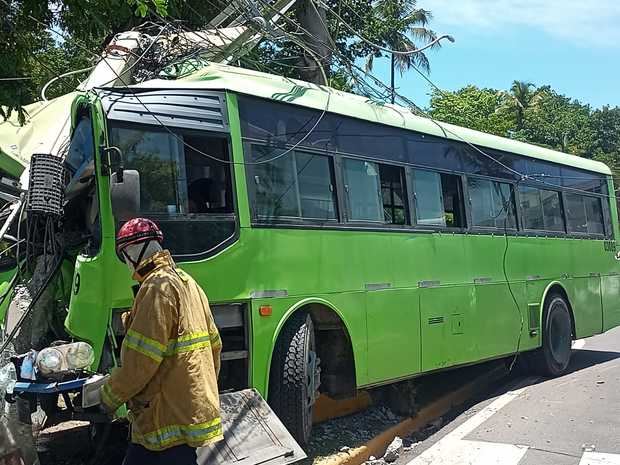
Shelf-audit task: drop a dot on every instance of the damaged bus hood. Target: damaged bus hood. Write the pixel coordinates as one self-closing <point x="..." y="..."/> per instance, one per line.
<point x="253" y="434"/>
<point x="46" y="129"/>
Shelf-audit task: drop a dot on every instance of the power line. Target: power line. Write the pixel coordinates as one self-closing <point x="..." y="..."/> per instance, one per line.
<point x="25" y="78"/>
<point x="380" y="47"/>
<point x="298" y="143"/>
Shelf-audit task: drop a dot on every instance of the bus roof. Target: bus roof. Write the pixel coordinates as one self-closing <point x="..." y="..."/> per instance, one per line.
<point x="282" y="89"/>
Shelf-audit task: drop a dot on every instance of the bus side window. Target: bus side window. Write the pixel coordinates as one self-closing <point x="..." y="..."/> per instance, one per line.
<point x="375" y="192"/>
<point x="492" y="204"/>
<point x="584" y="214"/>
<point x="541" y="209"/>
<point x="439" y="199"/>
<point x="294" y="185"/>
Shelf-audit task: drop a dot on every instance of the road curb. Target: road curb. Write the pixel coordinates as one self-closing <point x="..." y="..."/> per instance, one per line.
<point x="327" y="408"/>
<point x="376" y="446"/>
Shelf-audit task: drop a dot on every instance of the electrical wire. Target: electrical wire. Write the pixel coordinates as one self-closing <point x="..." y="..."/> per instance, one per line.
<point x="180" y="139"/>
<point x="520" y="176"/>
<point x="26" y="78"/>
<point x="512" y="203"/>
<point x="443" y="128"/>
<point x="379" y="47"/>
<point x="319" y="63"/>
<point x="64" y="75"/>
<point x="139" y="59"/>
<point x="270" y="160"/>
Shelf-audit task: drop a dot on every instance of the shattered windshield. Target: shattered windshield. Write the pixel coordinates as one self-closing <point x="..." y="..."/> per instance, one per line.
<point x="81" y="149"/>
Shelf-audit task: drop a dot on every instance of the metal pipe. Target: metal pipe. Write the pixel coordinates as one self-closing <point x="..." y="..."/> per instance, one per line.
<point x="7" y="224"/>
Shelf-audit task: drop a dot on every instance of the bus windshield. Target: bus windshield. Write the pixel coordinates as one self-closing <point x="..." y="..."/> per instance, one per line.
<point x="185" y="184"/>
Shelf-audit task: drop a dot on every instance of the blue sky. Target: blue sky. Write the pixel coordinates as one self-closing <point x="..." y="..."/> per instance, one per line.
<point x="572" y="45"/>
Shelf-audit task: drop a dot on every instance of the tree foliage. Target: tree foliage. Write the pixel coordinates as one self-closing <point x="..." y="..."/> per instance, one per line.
<point x="538" y="115"/>
<point x="40" y="40"/>
<point x="403" y="27"/>
<point x="472" y="107"/>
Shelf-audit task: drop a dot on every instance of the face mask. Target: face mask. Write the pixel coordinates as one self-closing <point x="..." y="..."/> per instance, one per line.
<point x="134" y="254"/>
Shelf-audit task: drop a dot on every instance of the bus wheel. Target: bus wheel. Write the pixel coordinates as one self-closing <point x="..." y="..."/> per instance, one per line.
<point x="294" y="377"/>
<point x="553" y="357"/>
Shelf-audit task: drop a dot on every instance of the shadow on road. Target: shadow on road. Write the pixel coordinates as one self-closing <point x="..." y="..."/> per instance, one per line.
<point x="585" y="358"/>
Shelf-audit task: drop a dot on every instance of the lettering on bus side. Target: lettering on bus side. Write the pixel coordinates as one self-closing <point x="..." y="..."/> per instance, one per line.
<point x="609" y="246"/>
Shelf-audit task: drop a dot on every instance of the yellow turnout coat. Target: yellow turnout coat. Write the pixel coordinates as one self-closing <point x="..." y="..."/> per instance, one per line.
<point x="170" y="359"/>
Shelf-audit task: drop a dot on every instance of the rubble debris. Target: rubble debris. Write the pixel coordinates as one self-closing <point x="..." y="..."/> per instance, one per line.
<point x="375" y="461"/>
<point x="394" y="450"/>
<point x="351" y="431"/>
<point x="409" y="444"/>
<point x="438" y="423"/>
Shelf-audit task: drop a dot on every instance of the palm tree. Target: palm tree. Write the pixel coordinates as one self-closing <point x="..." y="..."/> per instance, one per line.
<point x="401" y="26"/>
<point x="521" y="96"/>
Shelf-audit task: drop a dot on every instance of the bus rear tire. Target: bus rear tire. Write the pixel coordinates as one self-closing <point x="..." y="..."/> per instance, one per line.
<point x="553" y="358"/>
<point x="293" y="377"/>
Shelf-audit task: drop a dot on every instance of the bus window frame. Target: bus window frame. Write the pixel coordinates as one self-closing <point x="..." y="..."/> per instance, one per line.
<point x="191" y="216"/>
<point x="439" y="228"/>
<point x="492" y="230"/>
<point x="261" y="221"/>
<point x="409" y="225"/>
<point x="538" y="232"/>
<point x="607" y="234"/>
<point x="530" y="166"/>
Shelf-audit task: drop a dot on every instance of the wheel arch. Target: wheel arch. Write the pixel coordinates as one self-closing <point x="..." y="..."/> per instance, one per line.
<point x="318" y="309"/>
<point x="555" y="287"/>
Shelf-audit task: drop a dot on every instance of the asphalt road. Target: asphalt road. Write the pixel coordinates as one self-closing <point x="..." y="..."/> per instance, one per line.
<point x="571" y="420"/>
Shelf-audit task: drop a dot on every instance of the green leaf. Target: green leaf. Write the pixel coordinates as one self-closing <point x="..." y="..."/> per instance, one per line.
<point x="142" y="9"/>
<point x="161" y="7"/>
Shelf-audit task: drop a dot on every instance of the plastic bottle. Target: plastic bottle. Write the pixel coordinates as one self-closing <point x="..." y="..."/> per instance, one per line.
<point x="27" y="368"/>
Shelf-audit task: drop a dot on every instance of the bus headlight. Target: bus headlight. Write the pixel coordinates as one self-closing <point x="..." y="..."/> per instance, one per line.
<point x="80" y="355"/>
<point x="66" y="357"/>
<point x="49" y="361"/>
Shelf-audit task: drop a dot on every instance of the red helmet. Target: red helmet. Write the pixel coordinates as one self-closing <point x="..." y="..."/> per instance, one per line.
<point x="136" y="231"/>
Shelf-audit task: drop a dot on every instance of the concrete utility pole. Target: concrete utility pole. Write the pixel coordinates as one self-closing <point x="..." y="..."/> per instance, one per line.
<point x="313" y="18"/>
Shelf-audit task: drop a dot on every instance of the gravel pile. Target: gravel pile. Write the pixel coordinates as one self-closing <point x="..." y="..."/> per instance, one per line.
<point x="342" y="434"/>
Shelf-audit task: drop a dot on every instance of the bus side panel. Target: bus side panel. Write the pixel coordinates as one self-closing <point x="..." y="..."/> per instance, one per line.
<point x="448" y="327"/>
<point x="499" y="319"/>
<point x="610" y="281"/>
<point x="584" y="294"/>
<point x="610" y="287"/>
<point x="393" y="333"/>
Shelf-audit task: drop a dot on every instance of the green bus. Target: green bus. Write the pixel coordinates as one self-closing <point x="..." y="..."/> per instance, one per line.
<point x="343" y="244"/>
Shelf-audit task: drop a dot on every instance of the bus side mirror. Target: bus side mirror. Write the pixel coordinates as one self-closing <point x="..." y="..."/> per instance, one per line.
<point x="115" y="162"/>
<point x="125" y="195"/>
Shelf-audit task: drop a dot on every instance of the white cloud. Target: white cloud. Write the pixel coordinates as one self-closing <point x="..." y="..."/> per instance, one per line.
<point x="590" y="23"/>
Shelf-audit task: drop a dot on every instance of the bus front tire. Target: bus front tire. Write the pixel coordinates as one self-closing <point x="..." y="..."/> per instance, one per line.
<point x="292" y="381"/>
<point x="553" y="358"/>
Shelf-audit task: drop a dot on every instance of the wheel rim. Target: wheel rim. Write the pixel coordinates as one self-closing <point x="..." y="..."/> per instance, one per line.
<point x="560" y="334"/>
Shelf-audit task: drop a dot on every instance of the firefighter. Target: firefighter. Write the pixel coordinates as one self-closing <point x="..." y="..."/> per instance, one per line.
<point x="170" y="357"/>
